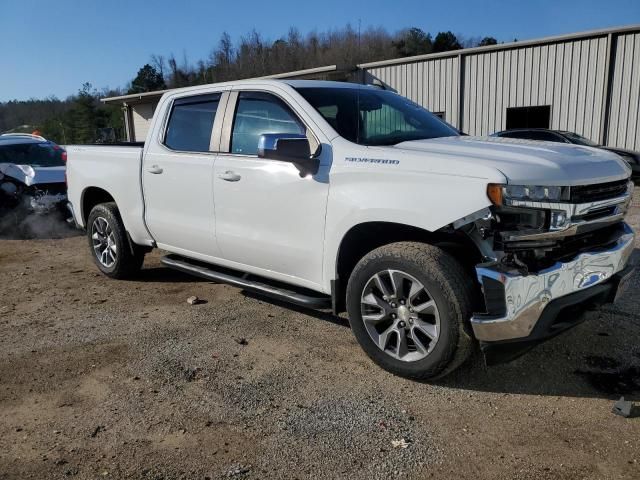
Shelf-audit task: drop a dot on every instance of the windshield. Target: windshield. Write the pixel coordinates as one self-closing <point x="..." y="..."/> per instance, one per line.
<point x="579" y="139"/>
<point x="44" y="154"/>
<point x="375" y="117"/>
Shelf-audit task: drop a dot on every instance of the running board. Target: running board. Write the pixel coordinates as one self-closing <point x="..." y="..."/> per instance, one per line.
<point x="272" y="289"/>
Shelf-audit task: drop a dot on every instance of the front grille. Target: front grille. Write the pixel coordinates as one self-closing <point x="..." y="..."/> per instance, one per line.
<point x="571" y="246"/>
<point x="597" y="192"/>
<point x="596" y="214"/>
<point x="562" y="250"/>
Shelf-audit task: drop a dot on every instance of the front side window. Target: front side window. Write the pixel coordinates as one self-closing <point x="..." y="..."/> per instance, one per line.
<point x="375" y="117"/>
<point x="258" y="113"/>
<point x="191" y="122"/>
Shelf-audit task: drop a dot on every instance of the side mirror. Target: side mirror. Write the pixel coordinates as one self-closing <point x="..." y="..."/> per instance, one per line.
<point x="289" y="147"/>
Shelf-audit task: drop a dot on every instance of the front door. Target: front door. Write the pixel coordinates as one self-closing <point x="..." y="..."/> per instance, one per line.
<point x="267" y="216"/>
<point x="177" y="178"/>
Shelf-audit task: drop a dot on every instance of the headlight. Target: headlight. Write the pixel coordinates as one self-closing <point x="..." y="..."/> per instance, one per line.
<point x="535" y="193"/>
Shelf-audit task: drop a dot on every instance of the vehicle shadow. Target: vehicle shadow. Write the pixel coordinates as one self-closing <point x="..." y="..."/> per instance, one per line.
<point x="163" y="274"/>
<point x="323" y="315"/>
<point x="599" y="358"/>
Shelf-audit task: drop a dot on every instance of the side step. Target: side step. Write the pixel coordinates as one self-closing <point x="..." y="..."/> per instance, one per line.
<point x="269" y="288"/>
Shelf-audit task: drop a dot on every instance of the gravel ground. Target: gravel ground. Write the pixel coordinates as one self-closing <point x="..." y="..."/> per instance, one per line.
<point x="115" y="379"/>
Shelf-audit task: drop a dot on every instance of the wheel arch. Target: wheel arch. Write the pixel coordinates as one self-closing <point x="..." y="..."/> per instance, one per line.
<point x="367" y="236"/>
<point x="92" y="196"/>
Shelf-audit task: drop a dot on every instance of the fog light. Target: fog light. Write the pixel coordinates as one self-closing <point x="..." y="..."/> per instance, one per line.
<point x="558" y="219"/>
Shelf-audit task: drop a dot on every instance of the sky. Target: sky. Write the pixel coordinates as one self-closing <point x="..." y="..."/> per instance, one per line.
<point x="53" y="47"/>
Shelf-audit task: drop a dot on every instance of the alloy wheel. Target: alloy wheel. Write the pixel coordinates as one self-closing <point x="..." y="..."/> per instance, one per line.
<point x="104" y="242"/>
<point x="400" y="315"/>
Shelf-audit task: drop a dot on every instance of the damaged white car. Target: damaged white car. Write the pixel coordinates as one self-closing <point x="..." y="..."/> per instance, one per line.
<point x="32" y="174"/>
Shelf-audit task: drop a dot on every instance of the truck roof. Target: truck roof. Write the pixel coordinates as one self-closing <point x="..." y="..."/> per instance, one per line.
<point x="324" y="84"/>
<point x="274" y="82"/>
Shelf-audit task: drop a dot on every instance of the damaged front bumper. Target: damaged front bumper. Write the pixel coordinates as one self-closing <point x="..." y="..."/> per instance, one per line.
<point x="523" y="310"/>
<point x="47" y="203"/>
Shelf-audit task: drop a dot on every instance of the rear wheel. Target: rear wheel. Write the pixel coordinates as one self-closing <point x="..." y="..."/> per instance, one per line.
<point x="110" y="246"/>
<point x="409" y="305"/>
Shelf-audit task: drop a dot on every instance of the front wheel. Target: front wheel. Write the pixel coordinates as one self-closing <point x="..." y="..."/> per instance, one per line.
<point x="409" y="305"/>
<point x="109" y="244"/>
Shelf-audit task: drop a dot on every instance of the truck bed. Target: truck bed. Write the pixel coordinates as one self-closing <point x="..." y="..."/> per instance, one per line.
<point x="115" y="169"/>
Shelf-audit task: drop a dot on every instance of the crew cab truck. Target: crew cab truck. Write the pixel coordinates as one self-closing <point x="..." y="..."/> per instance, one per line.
<point x="351" y="197"/>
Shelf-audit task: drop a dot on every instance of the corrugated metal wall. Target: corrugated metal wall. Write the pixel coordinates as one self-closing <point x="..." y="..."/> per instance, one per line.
<point x="624" y="113"/>
<point x="570" y="75"/>
<point x="432" y="83"/>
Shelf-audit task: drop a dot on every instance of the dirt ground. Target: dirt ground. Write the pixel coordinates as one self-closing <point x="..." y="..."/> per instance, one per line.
<point x="124" y="379"/>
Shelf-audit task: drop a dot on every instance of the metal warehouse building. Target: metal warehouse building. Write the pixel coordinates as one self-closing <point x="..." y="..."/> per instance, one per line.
<point x="588" y="83"/>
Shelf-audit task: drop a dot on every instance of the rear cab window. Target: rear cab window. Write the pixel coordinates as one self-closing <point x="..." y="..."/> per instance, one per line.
<point x="191" y="123"/>
<point x="36" y="154"/>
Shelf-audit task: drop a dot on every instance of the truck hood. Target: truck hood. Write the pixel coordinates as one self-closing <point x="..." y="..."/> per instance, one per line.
<point x="32" y="175"/>
<point x="523" y="161"/>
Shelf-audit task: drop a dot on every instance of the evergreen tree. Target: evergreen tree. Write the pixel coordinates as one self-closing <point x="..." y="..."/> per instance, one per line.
<point x="445" y="42"/>
<point x="413" y="42"/>
<point x="147" y="80"/>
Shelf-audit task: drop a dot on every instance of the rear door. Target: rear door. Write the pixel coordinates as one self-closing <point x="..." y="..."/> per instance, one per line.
<point x="268" y="218"/>
<point x="177" y="175"/>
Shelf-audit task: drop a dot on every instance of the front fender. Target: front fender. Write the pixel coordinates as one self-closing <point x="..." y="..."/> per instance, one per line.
<point x="425" y="201"/>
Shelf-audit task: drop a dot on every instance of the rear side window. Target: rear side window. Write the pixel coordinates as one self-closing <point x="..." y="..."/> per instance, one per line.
<point x="191" y="122"/>
<point x="258" y="113"/>
<point x="45" y="154"/>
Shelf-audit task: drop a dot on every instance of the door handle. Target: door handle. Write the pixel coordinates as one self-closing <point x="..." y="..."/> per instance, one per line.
<point x="154" y="169"/>
<point x="229" y="176"/>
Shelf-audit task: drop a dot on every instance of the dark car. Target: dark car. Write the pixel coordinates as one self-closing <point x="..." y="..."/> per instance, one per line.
<point x="543" y="134"/>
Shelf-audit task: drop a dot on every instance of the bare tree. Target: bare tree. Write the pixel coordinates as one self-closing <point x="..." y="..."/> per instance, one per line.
<point x="159" y="63"/>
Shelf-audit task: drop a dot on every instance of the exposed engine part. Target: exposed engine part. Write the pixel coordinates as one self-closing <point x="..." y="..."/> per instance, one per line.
<point x="477" y="227"/>
<point x="532" y="236"/>
<point x="511" y="261"/>
<point x="44" y="203"/>
<point x="533" y="255"/>
<point x="38" y="198"/>
<point x="484" y="213"/>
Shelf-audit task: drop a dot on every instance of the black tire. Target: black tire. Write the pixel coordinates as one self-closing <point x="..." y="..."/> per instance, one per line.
<point x="449" y="287"/>
<point x="128" y="257"/>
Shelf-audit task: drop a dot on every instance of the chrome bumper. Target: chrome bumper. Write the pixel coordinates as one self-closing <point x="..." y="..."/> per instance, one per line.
<point x="527" y="296"/>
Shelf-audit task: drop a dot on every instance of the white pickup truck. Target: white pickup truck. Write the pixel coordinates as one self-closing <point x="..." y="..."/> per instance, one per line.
<point x="350" y="197"/>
